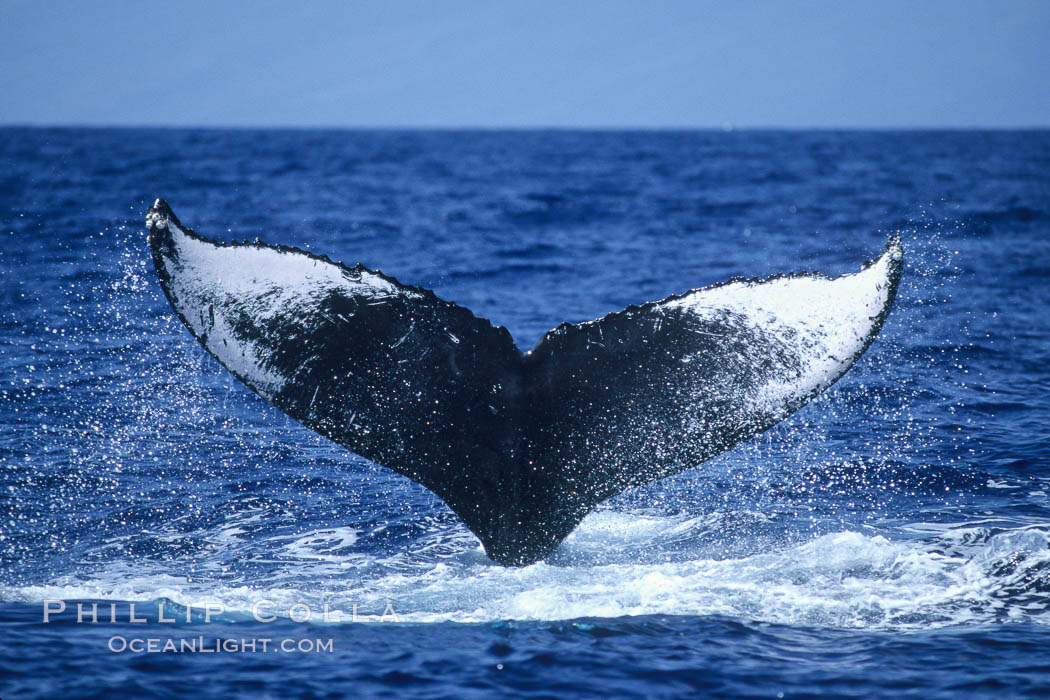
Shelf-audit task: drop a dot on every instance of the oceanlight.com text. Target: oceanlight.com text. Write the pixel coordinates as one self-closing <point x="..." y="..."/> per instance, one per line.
<point x="119" y="644"/>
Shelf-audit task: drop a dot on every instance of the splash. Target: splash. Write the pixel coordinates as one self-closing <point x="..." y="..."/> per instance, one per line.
<point x="960" y="575"/>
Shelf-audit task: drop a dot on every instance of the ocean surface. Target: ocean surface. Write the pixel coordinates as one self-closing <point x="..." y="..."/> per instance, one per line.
<point x="891" y="539"/>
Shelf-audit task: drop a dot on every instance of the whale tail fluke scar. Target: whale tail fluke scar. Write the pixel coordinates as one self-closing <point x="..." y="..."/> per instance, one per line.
<point x="520" y="445"/>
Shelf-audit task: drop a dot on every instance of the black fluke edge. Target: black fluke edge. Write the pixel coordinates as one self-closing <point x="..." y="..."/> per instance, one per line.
<point x="520" y="445"/>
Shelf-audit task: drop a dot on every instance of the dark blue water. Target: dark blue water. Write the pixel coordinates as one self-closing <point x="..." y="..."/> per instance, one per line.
<point x="890" y="539"/>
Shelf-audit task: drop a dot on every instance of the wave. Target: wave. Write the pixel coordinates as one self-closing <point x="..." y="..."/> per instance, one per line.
<point x="617" y="564"/>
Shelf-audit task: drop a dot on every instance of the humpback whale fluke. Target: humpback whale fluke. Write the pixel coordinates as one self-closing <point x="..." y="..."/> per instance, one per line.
<point x="520" y="445"/>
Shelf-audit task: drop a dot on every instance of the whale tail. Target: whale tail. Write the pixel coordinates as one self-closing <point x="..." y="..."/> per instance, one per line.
<point x="520" y="445"/>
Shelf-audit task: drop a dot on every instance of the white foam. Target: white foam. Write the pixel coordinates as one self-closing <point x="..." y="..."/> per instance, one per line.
<point x="842" y="580"/>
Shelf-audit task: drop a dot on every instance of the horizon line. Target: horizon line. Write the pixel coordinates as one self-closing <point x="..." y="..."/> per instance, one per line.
<point x="724" y="128"/>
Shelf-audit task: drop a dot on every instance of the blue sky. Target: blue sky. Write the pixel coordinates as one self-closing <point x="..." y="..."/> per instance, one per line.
<point x="930" y="63"/>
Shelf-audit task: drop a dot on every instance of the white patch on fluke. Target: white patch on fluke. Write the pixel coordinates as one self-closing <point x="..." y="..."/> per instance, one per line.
<point x="824" y="323"/>
<point x="214" y="286"/>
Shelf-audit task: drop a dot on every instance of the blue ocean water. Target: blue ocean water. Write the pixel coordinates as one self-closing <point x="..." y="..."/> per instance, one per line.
<point x="891" y="539"/>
